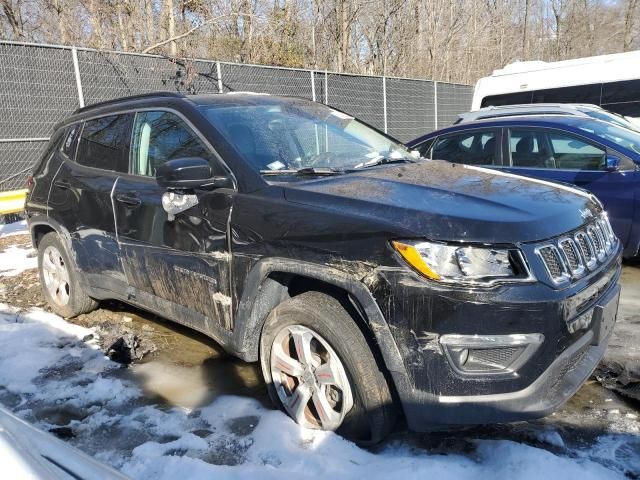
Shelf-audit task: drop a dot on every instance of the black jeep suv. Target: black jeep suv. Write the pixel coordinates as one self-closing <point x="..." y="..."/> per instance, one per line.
<point x="366" y="281"/>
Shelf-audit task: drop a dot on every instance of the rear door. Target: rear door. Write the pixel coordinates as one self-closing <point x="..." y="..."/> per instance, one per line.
<point x="93" y="154"/>
<point x="561" y="156"/>
<point x="178" y="265"/>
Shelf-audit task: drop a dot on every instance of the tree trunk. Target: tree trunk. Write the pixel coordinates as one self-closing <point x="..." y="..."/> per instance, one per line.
<point x="171" y="26"/>
<point x="13" y="16"/>
<point x="629" y="23"/>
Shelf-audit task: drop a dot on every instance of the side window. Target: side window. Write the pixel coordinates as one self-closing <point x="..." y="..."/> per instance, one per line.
<point x="162" y="136"/>
<point x="506" y="99"/>
<point x="625" y="91"/>
<point x="574" y="94"/>
<point x="425" y="148"/>
<point x="528" y="149"/>
<point x="70" y="140"/>
<point x="541" y="149"/>
<point x="103" y="143"/>
<point x="477" y="147"/>
<point x="573" y="154"/>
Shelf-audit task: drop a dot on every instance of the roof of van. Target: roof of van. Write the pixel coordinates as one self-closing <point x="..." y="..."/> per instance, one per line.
<point x="536" y="65"/>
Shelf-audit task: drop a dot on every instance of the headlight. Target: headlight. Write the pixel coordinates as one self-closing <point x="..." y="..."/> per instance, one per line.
<point x="463" y="264"/>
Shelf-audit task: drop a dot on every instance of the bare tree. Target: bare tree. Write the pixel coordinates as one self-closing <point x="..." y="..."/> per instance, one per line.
<point x="454" y="40"/>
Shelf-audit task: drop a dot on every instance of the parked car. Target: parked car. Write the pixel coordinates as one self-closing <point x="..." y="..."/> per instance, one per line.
<point x="362" y="279"/>
<point x="595" y="155"/>
<point x="580" y="109"/>
<point x="29" y="453"/>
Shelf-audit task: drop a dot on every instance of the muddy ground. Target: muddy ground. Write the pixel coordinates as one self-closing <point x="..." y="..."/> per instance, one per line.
<point x="178" y="367"/>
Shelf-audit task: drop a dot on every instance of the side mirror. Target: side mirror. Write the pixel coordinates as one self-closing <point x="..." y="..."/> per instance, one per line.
<point x="612" y="163"/>
<point x="188" y="173"/>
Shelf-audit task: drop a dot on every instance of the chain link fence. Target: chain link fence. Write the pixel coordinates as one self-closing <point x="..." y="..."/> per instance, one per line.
<point x="42" y="84"/>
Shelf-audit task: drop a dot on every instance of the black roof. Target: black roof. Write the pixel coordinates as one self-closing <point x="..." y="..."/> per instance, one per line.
<point x="115" y="101"/>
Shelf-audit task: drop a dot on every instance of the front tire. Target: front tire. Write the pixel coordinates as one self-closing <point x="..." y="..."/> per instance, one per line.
<point x="321" y="371"/>
<point x="59" y="279"/>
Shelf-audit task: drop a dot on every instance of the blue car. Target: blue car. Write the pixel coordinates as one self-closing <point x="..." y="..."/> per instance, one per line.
<point x="595" y="155"/>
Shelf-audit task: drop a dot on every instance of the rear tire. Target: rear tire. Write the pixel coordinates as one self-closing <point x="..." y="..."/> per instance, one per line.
<point x="332" y="337"/>
<point x="59" y="279"/>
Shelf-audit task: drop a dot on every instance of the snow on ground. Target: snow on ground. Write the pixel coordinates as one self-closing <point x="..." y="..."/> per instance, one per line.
<point x="15" y="228"/>
<point x="14" y="260"/>
<point x="51" y="373"/>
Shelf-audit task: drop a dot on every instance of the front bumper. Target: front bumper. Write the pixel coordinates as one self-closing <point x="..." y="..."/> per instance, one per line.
<point x="559" y="382"/>
<point x="434" y="393"/>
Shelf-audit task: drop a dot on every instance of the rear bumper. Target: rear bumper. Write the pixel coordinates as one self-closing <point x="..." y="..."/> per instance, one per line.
<point x="559" y="382"/>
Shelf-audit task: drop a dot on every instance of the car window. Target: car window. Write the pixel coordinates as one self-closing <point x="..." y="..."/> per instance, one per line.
<point x="70" y="140"/>
<point x="160" y="136"/>
<point x="532" y="148"/>
<point x="477" y="147"/>
<point x="103" y="143"/>
<point x="298" y="134"/>
<point x="571" y="153"/>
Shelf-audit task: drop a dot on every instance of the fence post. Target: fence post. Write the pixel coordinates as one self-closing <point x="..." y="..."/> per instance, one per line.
<point x="384" y="101"/>
<point x="326" y="88"/>
<point x="435" y="104"/>
<point x="76" y="70"/>
<point x="219" y="74"/>
<point x="313" y="87"/>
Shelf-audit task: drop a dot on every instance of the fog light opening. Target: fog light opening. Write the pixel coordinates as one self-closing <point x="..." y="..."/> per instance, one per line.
<point x="490" y="354"/>
<point x="460" y="356"/>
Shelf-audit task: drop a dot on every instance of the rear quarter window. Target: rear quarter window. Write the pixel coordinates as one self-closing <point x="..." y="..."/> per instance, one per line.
<point x="71" y="134"/>
<point x="104" y="143"/>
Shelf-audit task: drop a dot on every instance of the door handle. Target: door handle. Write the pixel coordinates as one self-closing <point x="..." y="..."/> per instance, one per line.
<point x="62" y="184"/>
<point x="128" y="199"/>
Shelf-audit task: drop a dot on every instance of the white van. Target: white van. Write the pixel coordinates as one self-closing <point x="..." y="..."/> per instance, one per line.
<point x="611" y="81"/>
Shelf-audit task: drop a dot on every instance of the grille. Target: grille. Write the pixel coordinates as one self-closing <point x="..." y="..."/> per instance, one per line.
<point x="568" y="258"/>
<point x="571" y="255"/>
<point x="551" y="258"/>
<point x="603" y="231"/>
<point x="493" y="356"/>
<point x="597" y="241"/>
<point x="586" y="250"/>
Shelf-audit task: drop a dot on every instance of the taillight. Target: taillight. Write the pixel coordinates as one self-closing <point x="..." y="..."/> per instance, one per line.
<point x="29" y="182"/>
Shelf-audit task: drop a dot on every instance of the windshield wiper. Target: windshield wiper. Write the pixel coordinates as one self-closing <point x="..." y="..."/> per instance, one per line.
<point x="383" y="160"/>
<point x="303" y="171"/>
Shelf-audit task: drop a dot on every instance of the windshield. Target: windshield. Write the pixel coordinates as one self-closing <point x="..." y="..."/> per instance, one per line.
<point x="297" y="135"/>
<point x="627" y="138"/>
<point x="610" y="117"/>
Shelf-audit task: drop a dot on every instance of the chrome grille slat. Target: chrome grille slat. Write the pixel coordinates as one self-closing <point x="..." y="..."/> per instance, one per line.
<point x="587" y="250"/>
<point x="568" y="258"/>
<point x="572" y="256"/>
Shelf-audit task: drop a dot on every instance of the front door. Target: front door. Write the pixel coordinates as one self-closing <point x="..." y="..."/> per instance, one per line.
<point x="560" y="156"/>
<point x="181" y="262"/>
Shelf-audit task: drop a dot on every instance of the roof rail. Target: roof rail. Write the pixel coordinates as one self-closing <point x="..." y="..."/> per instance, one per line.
<point x="132" y="97"/>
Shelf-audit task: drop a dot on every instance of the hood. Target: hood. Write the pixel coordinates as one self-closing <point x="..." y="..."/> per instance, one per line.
<point x="452" y="202"/>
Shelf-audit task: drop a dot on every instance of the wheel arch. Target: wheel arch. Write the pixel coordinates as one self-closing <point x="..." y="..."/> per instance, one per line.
<point x="272" y="281"/>
<point x="40" y="226"/>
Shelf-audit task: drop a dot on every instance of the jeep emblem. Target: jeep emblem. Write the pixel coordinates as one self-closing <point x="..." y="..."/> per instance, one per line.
<point x="585" y="213"/>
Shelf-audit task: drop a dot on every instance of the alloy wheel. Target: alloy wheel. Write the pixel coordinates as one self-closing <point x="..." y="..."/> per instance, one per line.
<point x="56" y="275"/>
<point x="309" y="378"/>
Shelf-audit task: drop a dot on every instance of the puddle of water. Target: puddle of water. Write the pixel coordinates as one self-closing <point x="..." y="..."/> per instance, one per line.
<point x="197" y="385"/>
<point x="190" y="370"/>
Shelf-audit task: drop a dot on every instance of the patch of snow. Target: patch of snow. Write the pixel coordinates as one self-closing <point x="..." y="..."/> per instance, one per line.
<point x="15" y="228"/>
<point x="48" y="365"/>
<point x="550" y="437"/>
<point x="15" y="260"/>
